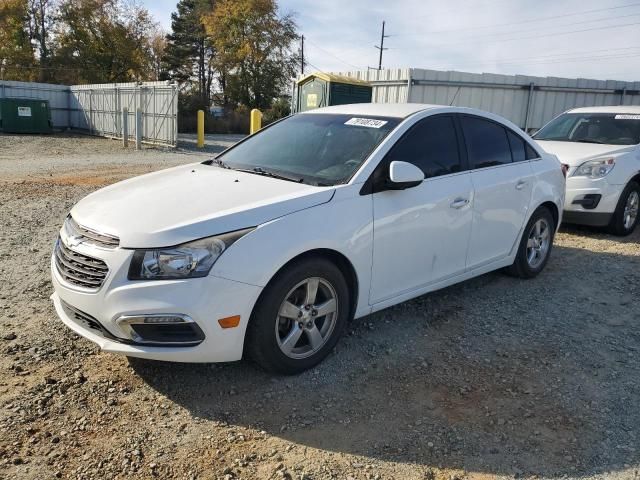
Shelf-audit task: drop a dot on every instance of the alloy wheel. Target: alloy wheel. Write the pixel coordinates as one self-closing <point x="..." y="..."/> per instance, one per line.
<point x="538" y="243"/>
<point x="631" y="210"/>
<point x="306" y="318"/>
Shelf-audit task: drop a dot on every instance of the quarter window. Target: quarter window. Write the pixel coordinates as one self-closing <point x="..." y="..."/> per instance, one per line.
<point x="431" y="145"/>
<point x="531" y="153"/>
<point x="517" y="147"/>
<point x="487" y="142"/>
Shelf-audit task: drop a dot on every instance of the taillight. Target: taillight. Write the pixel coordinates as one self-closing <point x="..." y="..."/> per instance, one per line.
<point x="565" y="169"/>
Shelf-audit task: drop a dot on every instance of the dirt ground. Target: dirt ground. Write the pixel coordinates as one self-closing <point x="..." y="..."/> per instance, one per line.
<point x="492" y="378"/>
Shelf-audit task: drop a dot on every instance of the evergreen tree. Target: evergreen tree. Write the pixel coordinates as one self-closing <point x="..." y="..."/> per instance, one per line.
<point x="188" y="53"/>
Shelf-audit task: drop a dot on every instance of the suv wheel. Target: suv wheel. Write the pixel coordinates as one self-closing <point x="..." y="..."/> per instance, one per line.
<point x="299" y="317"/>
<point x="535" y="245"/>
<point x="625" y="218"/>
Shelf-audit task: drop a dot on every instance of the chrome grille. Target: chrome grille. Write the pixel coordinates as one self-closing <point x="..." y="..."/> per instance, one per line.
<point x="89" y="236"/>
<point x="79" y="269"/>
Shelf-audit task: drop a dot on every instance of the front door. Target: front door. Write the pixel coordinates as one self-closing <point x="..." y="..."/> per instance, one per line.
<point x="421" y="234"/>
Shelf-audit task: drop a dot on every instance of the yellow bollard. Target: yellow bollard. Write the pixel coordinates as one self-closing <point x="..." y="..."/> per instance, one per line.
<point x="200" y="129"/>
<point x="256" y="121"/>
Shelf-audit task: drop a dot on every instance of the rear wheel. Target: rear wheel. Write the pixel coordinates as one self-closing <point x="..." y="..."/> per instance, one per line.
<point x="625" y="218"/>
<point x="299" y="317"/>
<point x="535" y="245"/>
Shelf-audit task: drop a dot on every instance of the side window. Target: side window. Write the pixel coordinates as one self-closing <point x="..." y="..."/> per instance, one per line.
<point x="517" y="147"/>
<point x="432" y="145"/>
<point x="486" y="141"/>
<point x="530" y="152"/>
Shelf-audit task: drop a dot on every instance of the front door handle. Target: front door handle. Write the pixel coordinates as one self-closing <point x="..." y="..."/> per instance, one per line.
<point x="521" y="184"/>
<point x="458" y="203"/>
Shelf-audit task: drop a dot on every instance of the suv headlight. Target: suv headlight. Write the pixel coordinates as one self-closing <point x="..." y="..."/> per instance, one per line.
<point x="189" y="260"/>
<point x="595" y="168"/>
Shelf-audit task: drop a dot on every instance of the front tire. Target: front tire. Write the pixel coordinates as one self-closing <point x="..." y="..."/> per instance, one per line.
<point x="535" y="245"/>
<point x="625" y="218"/>
<point x="299" y="317"/>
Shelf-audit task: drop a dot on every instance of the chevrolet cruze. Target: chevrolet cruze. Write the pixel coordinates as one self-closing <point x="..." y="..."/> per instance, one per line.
<point x="270" y="249"/>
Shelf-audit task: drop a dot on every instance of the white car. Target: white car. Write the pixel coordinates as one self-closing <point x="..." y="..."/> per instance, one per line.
<point x="271" y="248"/>
<point x="600" y="145"/>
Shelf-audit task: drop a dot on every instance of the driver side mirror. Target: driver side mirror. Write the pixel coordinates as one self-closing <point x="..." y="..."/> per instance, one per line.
<point x="403" y="175"/>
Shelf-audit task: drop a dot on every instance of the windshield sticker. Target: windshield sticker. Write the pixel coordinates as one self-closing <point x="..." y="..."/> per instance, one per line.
<point x="627" y="117"/>
<point x="366" y="122"/>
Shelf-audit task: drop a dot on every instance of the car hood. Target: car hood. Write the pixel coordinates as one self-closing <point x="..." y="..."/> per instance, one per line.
<point x="173" y="206"/>
<point x="574" y="153"/>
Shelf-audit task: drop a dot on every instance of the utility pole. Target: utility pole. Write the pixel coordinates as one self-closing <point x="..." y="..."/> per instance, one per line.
<point x="302" y="54"/>
<point x="381" y="47"/>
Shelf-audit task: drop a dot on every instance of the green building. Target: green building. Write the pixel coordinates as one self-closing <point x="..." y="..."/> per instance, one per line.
<point x="323" y="89"/>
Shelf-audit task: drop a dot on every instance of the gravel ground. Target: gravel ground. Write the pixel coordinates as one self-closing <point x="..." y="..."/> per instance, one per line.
<point x="492" y="378"/>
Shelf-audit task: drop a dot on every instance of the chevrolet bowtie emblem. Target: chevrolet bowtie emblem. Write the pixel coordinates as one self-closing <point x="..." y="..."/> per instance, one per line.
<point x="74" y="240"/>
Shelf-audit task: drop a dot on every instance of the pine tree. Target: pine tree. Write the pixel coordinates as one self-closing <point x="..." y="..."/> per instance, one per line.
<point x="188" y="53"/>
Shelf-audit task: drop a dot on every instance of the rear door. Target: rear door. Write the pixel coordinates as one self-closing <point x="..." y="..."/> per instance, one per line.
<point x="502" y="180"/>
<point x="421" y="234"/>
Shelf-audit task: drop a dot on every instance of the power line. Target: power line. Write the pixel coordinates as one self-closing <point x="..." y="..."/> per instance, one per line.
<point x="553" y="26"/>
<point x="550" y="62"/>
<point x="570" y="32"/>
<point x="531" y="20"/>
<point x="560" y="56"/>
<point x="333" y="55"/>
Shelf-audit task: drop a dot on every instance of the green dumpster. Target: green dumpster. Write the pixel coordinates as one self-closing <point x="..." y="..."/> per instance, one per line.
<point x="323" y="89"/>
<point x="25" y="115"/>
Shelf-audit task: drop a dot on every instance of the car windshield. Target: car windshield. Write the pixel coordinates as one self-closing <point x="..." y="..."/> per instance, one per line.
<point x="605" y="128"/>
<point x="318" y="148"/>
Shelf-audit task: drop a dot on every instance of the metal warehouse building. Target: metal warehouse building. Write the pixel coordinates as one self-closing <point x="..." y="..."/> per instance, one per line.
<point x="529" y="102"/>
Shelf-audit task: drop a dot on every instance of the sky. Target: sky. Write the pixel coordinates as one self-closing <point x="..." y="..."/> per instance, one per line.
<point x="566" y="38"/>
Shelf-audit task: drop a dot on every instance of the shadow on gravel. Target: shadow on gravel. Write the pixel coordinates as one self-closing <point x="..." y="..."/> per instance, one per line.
<point x="495" y="375"/>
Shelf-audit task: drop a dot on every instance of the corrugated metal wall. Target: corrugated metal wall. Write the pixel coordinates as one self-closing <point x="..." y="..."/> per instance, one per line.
<point x="97" y="109"/>
<point x="529" y="102"/>
<point x="58" y="96"/>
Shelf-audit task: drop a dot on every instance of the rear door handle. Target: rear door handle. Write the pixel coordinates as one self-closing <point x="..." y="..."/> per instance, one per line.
<point x="521" y="184"/>
<point x="458" y="203"/>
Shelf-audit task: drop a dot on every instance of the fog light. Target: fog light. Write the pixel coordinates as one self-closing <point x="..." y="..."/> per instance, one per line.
<point x="161" y="329"/>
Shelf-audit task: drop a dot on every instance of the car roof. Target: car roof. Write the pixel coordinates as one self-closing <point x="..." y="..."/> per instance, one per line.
<point x="608" y="109"/>
<point x="398" y="110"/>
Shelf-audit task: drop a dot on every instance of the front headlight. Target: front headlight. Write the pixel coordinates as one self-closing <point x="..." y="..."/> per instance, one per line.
<point x="189" y="260"/>
<point x="595" y="168"/>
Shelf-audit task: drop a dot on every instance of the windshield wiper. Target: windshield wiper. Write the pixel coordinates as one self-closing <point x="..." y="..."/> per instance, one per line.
<point x="268" y="173"/>
<point x="220" y="163"/>
<point x="586" y="140"/>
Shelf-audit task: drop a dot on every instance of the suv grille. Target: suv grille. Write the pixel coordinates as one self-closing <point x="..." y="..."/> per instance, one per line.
<point x="86" y="235"/>
<point x="79" y="269"/>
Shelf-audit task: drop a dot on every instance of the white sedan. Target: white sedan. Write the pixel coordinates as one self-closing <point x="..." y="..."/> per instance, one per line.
<point x="600" y="145"/>
<point x="326" y="216"/>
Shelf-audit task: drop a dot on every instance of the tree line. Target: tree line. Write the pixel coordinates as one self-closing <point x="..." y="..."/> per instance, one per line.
<point x="237" y="54"/>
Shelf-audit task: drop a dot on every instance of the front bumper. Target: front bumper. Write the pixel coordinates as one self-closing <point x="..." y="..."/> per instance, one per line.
<point x="590" y="201"/>
<point x="205" y="300"/>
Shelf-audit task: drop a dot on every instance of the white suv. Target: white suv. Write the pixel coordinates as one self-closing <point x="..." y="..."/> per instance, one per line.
<point x="271" y="248"/>
<point x="600" y="145"/>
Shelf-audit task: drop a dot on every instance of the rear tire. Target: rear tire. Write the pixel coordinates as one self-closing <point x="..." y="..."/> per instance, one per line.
<point x="299" y="317"/>
<point x="625" y="218"/>
<point x="535" y="245"/>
